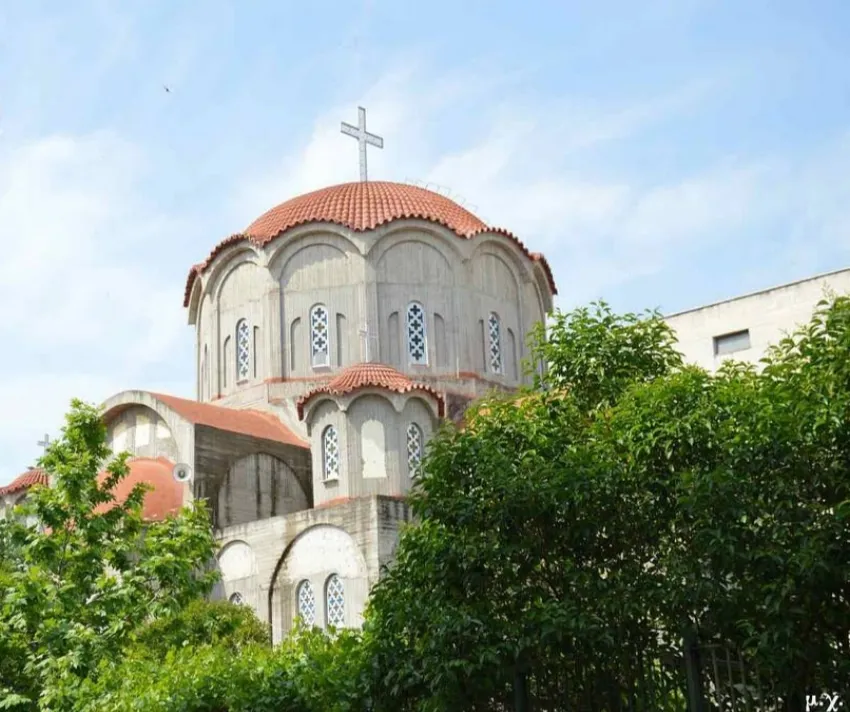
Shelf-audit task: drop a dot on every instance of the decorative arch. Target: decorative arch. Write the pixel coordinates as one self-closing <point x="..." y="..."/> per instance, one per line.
<point x="236" y="561"/>
<point x="314" y="554"/>
<point x="427" y="249"/>
<point x="283" y="249"/>
<point x="258" y="486"/>
<point x="447" y="242"/>
<point x="522" y="267"/>
<point x="227" y="263"/>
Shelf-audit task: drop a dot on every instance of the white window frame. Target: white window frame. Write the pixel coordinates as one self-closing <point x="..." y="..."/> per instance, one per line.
<point x="423" y="328"/>
<point x="495" y="355"/>
<point x="337" y="622"/>
<point x="419" y="437"/>
<point x="242" y="329"/>
<point x="305" y="585"/>
<point x="330" y="465"/>
<point x="320" y="358"/>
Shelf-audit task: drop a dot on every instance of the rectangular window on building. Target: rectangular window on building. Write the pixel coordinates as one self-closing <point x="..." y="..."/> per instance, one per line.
<point x="730" y="343"/>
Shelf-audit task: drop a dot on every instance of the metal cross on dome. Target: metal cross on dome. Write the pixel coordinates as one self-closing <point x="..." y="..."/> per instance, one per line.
<point x="363" y="137"/>
<point x="44" y="444"/>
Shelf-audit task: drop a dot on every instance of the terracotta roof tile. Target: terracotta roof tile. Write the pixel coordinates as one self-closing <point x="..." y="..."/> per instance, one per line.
<point x="255" y="423"/>
<point x="368" y="375"/>
<point x="30" y="478"/>
<point x="359" y="207"/>
<point x="164" y="499"/>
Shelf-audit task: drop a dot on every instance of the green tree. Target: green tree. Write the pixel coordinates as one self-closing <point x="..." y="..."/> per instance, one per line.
<point x="527" y="555"/>
<point x="310" y="671"/>
<point x="74" y="587"/>
<point x="577" y="531"/>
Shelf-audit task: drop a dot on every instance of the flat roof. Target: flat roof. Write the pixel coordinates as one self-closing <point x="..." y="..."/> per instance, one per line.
<point x="758" y="291"/>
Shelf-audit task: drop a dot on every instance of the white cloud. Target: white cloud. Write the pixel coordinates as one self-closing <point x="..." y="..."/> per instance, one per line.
<point x="81" y="311"/>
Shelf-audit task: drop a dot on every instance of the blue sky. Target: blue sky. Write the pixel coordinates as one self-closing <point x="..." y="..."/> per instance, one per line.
<point x="661" y="153"/>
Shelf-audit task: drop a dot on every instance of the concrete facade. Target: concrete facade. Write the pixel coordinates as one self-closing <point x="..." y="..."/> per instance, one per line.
<point x="744" y="327"/>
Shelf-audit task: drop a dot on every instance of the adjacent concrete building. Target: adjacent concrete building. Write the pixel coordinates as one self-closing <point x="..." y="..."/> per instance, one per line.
<point x="743" y="327"/>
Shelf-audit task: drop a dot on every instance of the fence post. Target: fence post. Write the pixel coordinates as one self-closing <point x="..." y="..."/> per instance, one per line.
<point x="693" y="672"/>
<point x="521" y="703"/>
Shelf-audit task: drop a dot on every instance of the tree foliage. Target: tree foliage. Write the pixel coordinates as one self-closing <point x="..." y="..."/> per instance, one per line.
<point x="586" y="525"/>
<point x="75" y="585"/>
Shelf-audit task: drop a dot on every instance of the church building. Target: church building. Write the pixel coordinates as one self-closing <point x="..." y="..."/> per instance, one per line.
<point x="332" y="336"/>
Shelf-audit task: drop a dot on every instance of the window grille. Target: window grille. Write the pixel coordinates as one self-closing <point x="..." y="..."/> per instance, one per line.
<point x="330" y="453"/>
<point x="306" y="603"/>
<point x="335" y="601"/>
<point x="243" y="350"/>
<point x="417" y="338"/>
<point x="495" y="351"/>
<point x="414" y="449"/>
<point x="319" y="336"/>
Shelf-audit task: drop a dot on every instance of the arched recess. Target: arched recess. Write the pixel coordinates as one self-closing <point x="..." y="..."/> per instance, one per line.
<point x="414" y="268"/>
<point x="141" y="431"/>
<point x="314" y="555"/>
<point x="237" y="564"/>
<point x="236" y="561"/>
<point x="323" y="270"/>
<point x="257" y="487"/>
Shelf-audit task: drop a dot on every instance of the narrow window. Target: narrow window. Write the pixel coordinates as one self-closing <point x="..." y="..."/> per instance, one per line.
<point x="243" y="350"/>
<point x="226" y="365"/>
<point x="319" y="337"/>
<point x="513" y="362"/>
<point x="440" y="346"/>
<point x="495" y="351"/>
<point x="417" y="341"/>
<point x="730" y="343"/>
<point x="330" y="453"/>
<point x="294" y="344"/>
<point x="482" y="347"/>
<point x="335" y="601"/>
<point x="306" y="603"/>
<point x="202" y="379"/>
<point x="341" y="341"/>
<point x="254" y="349"/>
<point x="236" y="599"/>
<point x="414" y="449"/>
<point x="394" y="339"/>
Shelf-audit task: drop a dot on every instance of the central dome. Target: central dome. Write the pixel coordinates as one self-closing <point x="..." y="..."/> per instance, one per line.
<point x="364" y="206"/>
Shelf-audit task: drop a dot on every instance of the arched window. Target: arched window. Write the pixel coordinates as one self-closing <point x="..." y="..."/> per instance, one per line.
<point x="225" y="367"/>
<point x="319" y="336"/>
<point x="330" y="453"/>
<point x="306" y="603"/>
<point x="334" y="601"/>
<point x="236" y="599"/>
<point x="417" y="337"/>
<point x="495" y="351"/>
<point x="414" y="449"/>
<point x="243" y="350"/>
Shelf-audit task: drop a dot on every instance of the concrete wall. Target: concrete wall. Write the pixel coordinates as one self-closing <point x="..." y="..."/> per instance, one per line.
<point x="142" y="432"/>
<point x="767" y="316"/>
<point x="372" y="434"/>
<point x="366" y="281"/>
<point x="259" y="486"/>
<point x="265" y="560"/>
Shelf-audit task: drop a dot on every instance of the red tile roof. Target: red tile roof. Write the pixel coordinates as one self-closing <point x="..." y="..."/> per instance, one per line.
<point x="359" y="207"/>
<point x="30" y="478"/>
<point x="255" y="423"/>
<point x="368" y="375"/>
<point x="164" y="499"/>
